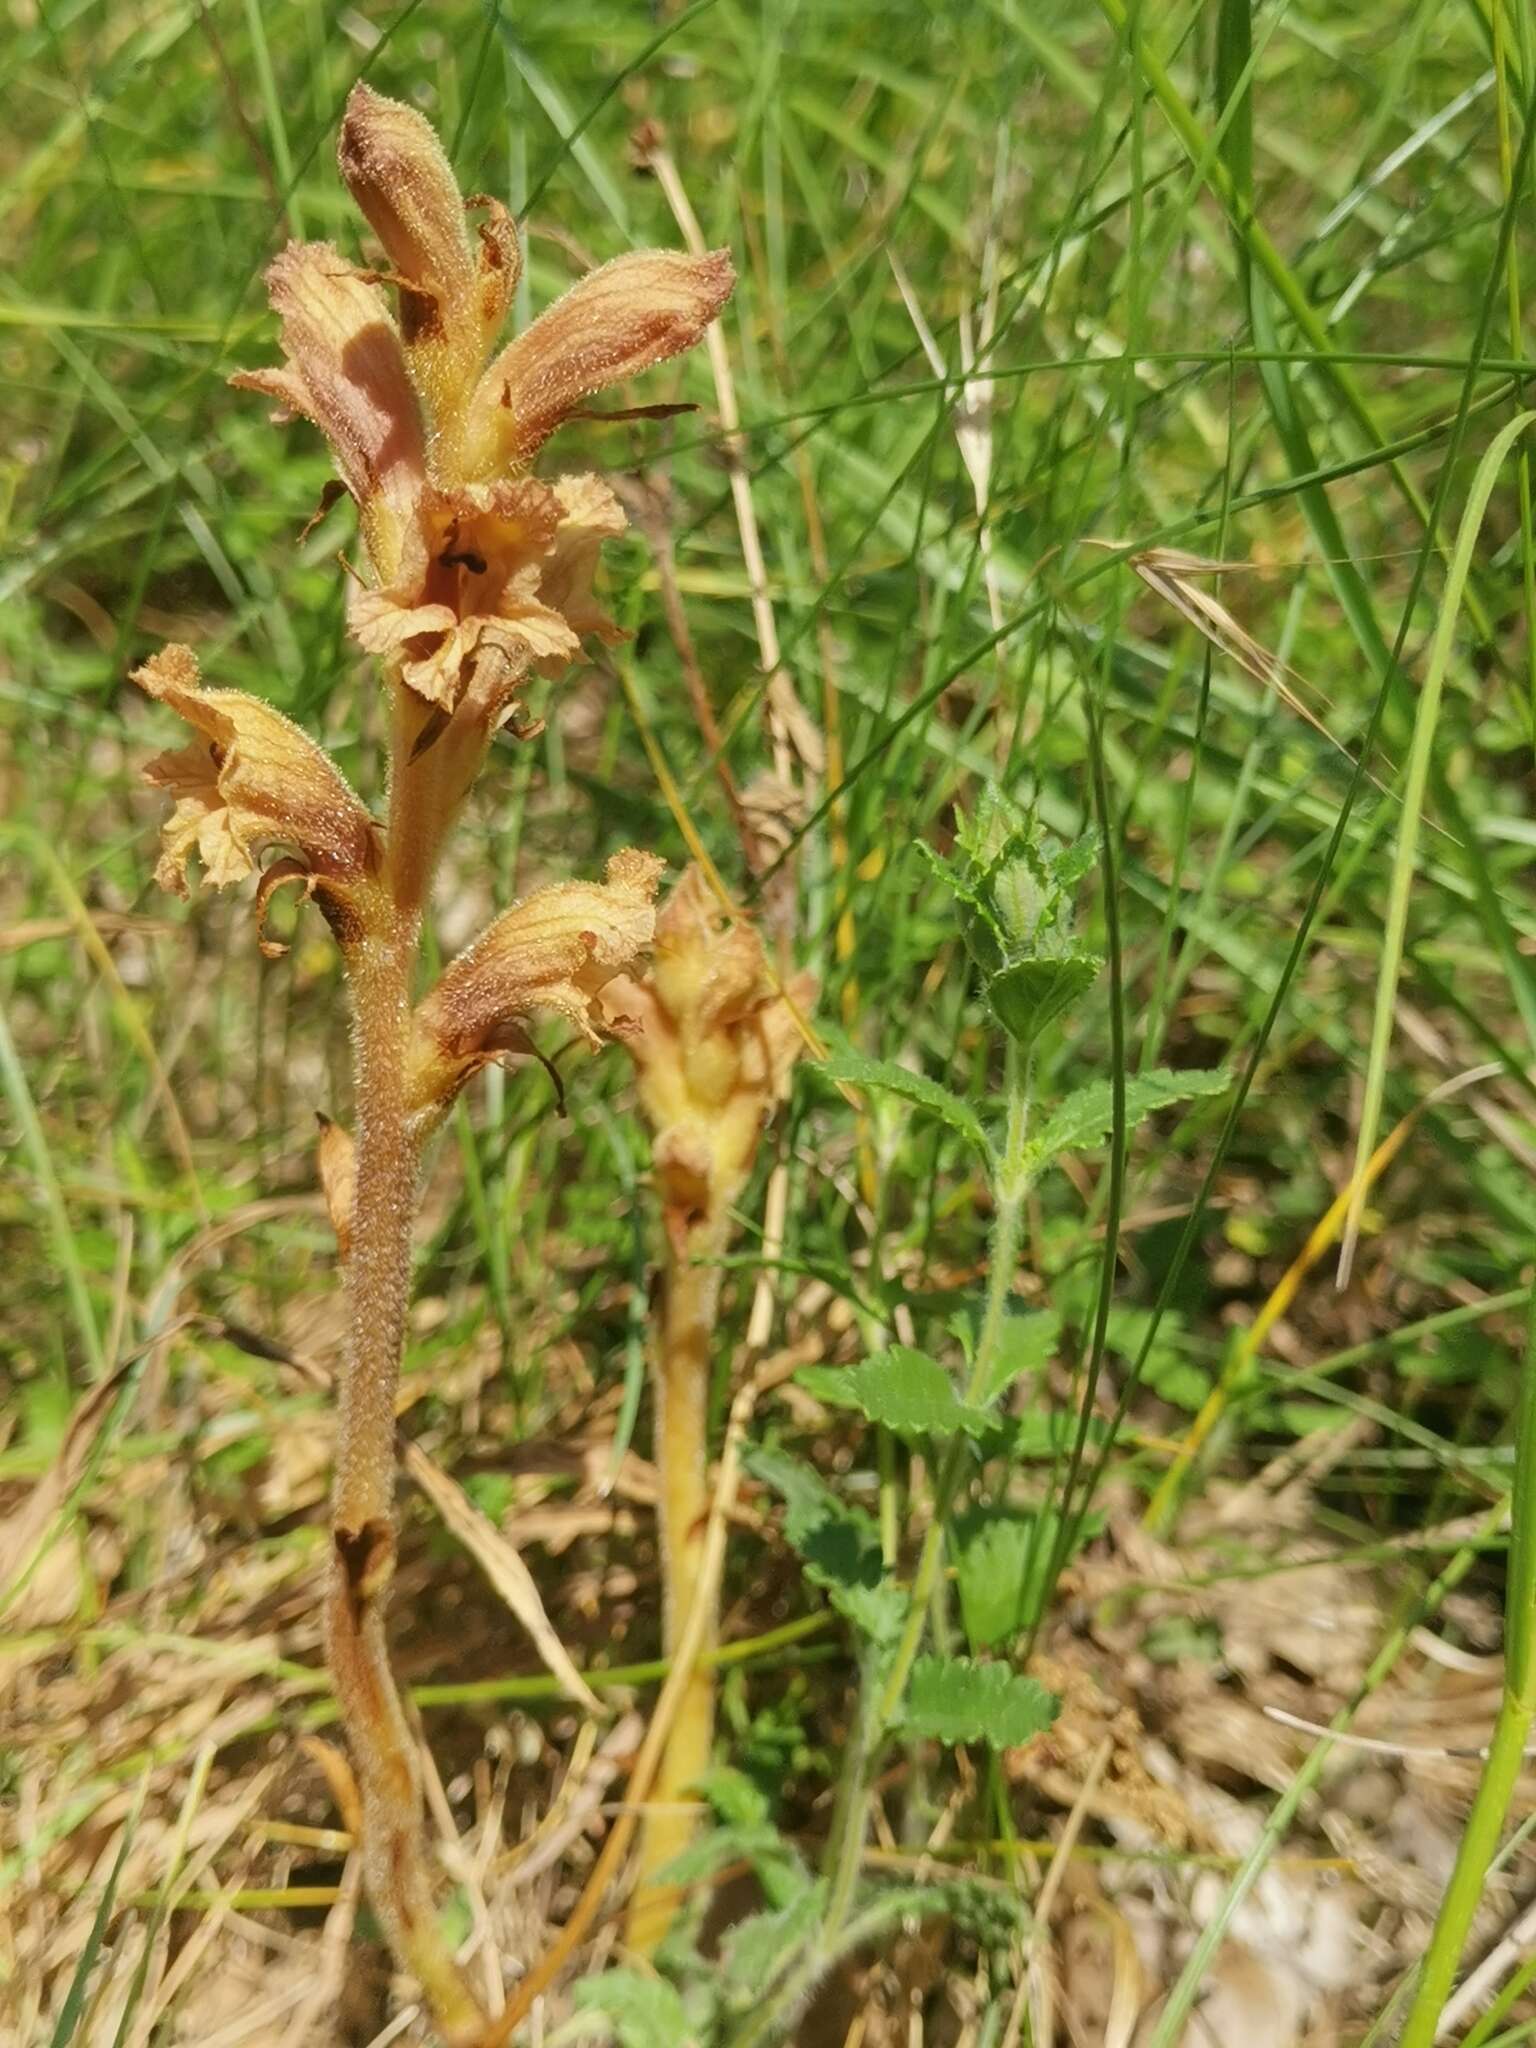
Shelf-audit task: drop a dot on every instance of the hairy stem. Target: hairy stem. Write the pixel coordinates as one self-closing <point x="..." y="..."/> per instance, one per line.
<point x="395" y="1862"/>
<point x="680" y="1381"/>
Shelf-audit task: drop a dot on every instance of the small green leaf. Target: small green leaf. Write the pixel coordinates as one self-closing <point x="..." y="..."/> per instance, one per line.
<point x="954" y="1699"/>
<point x="1030" y="994"/>
<point x="913" y="1088"/>
<point x="773" y="1861"/>
<point x="838" y="1545"/>
<point x="1001" y="1558"/>
<point x="1025" y="1346"/>
<point x="907" y="1391"/>
<point x="645" y="2011"/>
<point x="1087" y="1117"/>
<point x="757" y="1953"/>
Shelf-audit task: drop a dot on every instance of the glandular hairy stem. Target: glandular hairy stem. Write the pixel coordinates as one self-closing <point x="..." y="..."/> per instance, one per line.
<point x="681" y="1383"/>
<point x="363" y="1524"/>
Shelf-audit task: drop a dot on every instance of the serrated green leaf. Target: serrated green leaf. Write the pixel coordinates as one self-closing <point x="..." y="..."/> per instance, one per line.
<point x="1025" y="1345"/>
<point x="756" y="1954"/>
<point x="645" y="2011"/>
<point x="736" y="1799"/>
<point x="1030" y="994"/>
<point x="1001" y="1557"/>
<point x="917" y="1089"/>
<point x="775" y="1863"/>
<point x="1087" y="1117"/>
<point x="907" y="1391"/>
<point x="955" y="1699"/>
<point x="838" y="1545"/>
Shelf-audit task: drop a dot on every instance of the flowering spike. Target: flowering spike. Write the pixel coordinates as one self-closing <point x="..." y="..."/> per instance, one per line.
<point x="252" y="779"/>
<point x="626" y="317"/>
<point x="713" y="1044"/>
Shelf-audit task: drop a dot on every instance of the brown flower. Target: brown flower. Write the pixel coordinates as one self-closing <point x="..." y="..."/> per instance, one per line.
<point x="507" y="566"/>
<point x="431" y="438"/>
<point x="346" y="372"/>
<point x="250" y="780"/>
<point x="553" y="951"/>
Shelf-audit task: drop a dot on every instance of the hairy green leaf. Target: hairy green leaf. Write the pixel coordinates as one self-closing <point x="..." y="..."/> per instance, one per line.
<point x="644" y="2011"/>
<point x="1025" y="1347"/>
<point x="1029" y="994"/>
<point x="907" y="1391"/>
<point x="917" y="1089"/>
<point x="1087" y="1117"/>
<point x="1001" y="1561"/>
<point x="759" y="1951"/>
<point x="955" y="1699"/>
<point x="838" y="1545"/>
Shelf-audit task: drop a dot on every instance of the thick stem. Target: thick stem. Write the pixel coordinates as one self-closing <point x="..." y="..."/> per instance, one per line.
<point x="680" y="1380"/>
<point x="395" y="1862"/>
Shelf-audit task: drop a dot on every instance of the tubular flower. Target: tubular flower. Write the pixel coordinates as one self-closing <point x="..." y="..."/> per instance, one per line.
<point x="433" y="438"/>
<point x="507" y="566"/>
<point x="553" y="951"/>
<point x="713" y="1043"/>
<point x="346" y="372"/>
<point x="251" y="780"/>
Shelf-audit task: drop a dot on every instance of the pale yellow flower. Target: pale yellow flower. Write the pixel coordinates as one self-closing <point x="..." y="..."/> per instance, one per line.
<point x="713" y="1043"/>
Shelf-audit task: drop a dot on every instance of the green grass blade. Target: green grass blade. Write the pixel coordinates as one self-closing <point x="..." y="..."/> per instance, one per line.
<point x="1426" y="719"/>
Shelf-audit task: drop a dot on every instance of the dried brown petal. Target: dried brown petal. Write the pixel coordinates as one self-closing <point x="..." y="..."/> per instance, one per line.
<point x="626" y="317"/>
<point x="554" y="951"/>
<point x="336" y="1157"/>
<point x="454" y="293"/>
<point x="346" y="372"/>
<point x="251" y="779"/>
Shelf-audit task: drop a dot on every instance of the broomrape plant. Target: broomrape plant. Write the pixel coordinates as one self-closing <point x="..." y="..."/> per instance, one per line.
<point x="479" y="576"/>
<point x="713" y="1043"/>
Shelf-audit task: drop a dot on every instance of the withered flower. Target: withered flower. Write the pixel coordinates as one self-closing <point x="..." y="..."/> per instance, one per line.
<point x="432" y="438"/>
<point x="252" y="779"/>
<point x="346" y="373"/>
<point x="713" y="1041"/>
<point x="454" y="294"/>
<point x="555" y="951"/>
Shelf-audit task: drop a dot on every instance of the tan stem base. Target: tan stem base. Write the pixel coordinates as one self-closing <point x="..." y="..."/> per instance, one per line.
<point x="680" y="1381"/>
<point x="388" y="1782"/>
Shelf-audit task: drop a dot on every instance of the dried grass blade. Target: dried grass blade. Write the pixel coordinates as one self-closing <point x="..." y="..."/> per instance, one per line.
<point x="504" y="1568"/>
